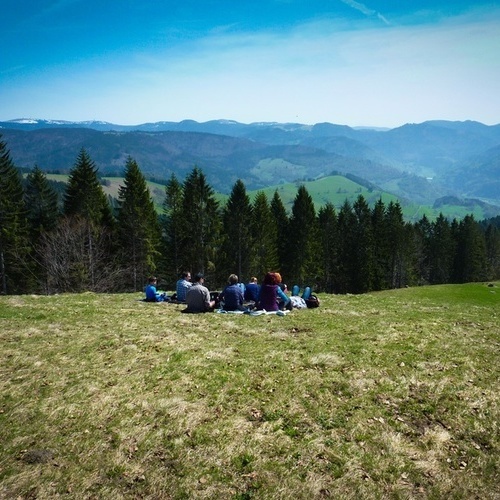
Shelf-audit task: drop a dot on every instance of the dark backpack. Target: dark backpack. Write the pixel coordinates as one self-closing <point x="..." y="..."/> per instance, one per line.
<point x="312" y="302"/>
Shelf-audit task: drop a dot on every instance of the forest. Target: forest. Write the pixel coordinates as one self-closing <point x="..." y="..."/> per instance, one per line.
<point x="86" y="241"/>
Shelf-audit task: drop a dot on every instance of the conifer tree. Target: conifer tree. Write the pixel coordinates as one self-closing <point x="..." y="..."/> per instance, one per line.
<point x="41" y="204"/>
<point x="422" y="233"/>
<point x="346" y="243"/>
<point x="470" y="257"/>
<point x="399" y="238"/>
<point x="84" y="196"/>
<point x="43" y="216"/>
<point x="492" y="239"/>
<point x="139" y="232"/>
<point x="328" y="237"/>
<point x="89" y="228"/>
<point x="441" y="251"/>
<point x="381" y="247"/>
<point x="264" y="252"/>
<point x="174" y="229"/>
<point x="202" y="224"/>
<point x="281" y="222"/>
<point x="303" y="247"/>
<point x="237" y="242"/>
<point x="363" y="254"/>
<point x="15" y="265"/>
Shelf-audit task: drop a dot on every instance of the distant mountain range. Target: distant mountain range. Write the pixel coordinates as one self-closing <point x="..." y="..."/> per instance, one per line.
<point x="420" y="163"/>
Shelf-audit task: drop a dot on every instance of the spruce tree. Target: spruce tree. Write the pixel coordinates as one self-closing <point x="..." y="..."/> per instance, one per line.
<point x="43" y="216"/>
<point x="174" y="229"/>
<point x="139" y="232"/>
<point x="399" y="241"/>
<point x="329" y="253"/>
<point x="470" y="257"/>
<point x="381" y="247"/>
<point x="86" y="240"/>
<point x="362" y="272"/>
<point x="281" y="222"/>
<point x="237" y="241"/>
<point x="84" y="196"/>
<point x="303" y="244"/>
<point x="201" y="216"/>
<point x="346" y="244"/>
<point x="492" y="239"/>
<point x="15" y="264"/>
<point x="264" y="253"/>
<point x="41" y="204"/>
<point x="441" y="251"/>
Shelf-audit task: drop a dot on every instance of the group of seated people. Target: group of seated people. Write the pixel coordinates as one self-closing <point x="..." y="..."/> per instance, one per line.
<point x="270" y="296"/>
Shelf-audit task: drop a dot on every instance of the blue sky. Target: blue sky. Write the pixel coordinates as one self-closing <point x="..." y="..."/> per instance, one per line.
<point x="371" y="63"/>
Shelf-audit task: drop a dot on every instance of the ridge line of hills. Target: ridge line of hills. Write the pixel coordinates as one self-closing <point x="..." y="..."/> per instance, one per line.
<point x="422" y="163"/>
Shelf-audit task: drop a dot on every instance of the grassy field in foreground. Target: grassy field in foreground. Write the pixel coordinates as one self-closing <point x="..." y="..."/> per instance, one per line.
<point x="386" y="395"/>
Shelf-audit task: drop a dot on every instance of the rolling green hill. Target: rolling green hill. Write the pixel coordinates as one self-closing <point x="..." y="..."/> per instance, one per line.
<point x="335" y="189"/>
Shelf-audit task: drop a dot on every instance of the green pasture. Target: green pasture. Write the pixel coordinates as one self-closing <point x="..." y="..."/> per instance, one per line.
<point x="392" y="394"/>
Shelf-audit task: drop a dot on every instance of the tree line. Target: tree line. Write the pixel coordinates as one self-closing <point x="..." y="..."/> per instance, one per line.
<point x="90" y="242"/>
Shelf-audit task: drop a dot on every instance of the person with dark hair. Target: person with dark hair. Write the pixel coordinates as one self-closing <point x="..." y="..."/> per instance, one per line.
<point x="271" y="296"/>
<point x="232" y="296"/>
<point x="182" y="286"/>
<point x="198" y="297"/>
<point x="152" y="294"/>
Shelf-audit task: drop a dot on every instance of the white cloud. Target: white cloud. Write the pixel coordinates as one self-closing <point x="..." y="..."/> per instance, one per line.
<point x="365" y="10"/>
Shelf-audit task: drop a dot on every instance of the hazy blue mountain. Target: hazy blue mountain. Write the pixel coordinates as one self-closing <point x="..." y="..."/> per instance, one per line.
<point x="420" y="162"/>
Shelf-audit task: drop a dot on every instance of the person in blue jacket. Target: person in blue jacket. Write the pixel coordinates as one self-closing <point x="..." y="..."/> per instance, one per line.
<point x="152" y="295"/>
<point x="252" y="290"/>
<point x="232" y="296"/>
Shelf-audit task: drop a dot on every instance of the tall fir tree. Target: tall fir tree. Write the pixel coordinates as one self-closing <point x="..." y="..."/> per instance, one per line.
<point x="346" y="242"/>
<point x="41" y="204"/>
<point x="470" y="256"/>
<point x="200" y="241"/>
<point x="381" y="246"/>
<point x="90" y="223"/>
<point x="264" y="252"/>
<point x="84" y="196"/>
<point x="329" y="253"/>
<point x="43" y="216"/>
<point x="15" y="264"/>
<point x="303" y="245"/>
<point x="441" y="251"/>
<point x="139" y="233"/>
<point x="422" y="231"/>
<point x="492" y="239"/>
<point x="236" y="245"/>
<point x="174" y="230"/>
<point x="398" y="237"/>
<point x="363" y="250"/>
<point x="282" y="224"/>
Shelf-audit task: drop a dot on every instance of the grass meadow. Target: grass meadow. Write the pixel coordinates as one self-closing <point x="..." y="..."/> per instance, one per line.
<point x="392" y="394"/>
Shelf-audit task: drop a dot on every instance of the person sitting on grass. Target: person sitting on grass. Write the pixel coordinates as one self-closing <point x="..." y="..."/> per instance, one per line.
<point x="272" y="297"/>
<point x="232" y="296"/>
<point x="198" y="297"/>
<point x="152" y="294"/>
<point x="182" y="286"/>
<point x="252" y="290"/>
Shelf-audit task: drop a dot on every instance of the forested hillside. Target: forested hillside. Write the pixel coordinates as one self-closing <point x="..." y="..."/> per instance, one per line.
<point x="89" y="243"/>
<point x="418" y="163"/>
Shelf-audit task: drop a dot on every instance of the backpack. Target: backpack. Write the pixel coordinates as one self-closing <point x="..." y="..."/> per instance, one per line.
<point x="312" y="301"/>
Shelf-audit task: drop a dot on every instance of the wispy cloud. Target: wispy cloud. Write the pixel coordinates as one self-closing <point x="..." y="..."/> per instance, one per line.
<point x="365" y="10"/>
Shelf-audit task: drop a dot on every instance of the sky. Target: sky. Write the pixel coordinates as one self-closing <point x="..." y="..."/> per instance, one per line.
<point x="380" y="63"/>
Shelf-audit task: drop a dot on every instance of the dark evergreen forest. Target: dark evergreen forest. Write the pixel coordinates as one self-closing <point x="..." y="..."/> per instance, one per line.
<point x="80" y="240"/>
